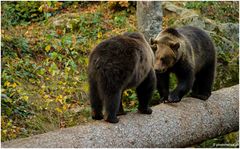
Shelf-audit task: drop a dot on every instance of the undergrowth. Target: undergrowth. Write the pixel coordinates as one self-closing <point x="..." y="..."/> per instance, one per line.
<point x="44" y="79"/>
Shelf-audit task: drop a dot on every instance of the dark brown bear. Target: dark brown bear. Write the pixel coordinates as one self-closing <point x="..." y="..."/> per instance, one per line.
<point x="190" y="54"/>
<point x="118" y="63"/>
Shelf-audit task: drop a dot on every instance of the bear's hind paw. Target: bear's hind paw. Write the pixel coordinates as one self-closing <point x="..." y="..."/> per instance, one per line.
<point x="112" y="120"/>
<point x="145" y="111"/>
<point x="201" y="97"/>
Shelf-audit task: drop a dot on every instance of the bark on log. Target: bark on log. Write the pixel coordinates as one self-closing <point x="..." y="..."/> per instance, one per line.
<point x="170" y="125"/>
<point x="149" y="18"/>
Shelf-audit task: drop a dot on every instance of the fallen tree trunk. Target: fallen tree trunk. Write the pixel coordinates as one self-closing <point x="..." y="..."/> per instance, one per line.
<point x="170" y="125"/>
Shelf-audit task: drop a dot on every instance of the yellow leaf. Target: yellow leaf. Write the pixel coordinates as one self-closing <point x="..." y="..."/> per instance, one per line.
<point x="47" y="48"/>
<point x="7" y="84"/>
<point x="85" y="87"/>
<point x="49" y="3"/>
<point x="59" y="99"/>
<point x="125" y="93"/>
<point x="46" y="96"/>
<point x="25" y="98"/>
<point x="65" y="107"/>
<point x="99" y="35"/>
<point x="14" y="85"/>
<point x="41" y="8"/>
<point x="4" y="131"/>
<point x="58" y="110"/>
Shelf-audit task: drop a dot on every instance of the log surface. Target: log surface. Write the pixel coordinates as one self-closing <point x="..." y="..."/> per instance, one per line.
<point x="171" y="125"/>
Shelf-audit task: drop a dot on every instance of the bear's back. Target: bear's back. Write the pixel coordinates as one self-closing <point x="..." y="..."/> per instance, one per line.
<point x="200" y="43"/>
<point x="124" y="57"/>
<point x="198" y="38"/>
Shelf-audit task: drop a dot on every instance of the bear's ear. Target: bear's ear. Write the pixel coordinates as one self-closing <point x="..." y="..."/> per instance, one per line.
<point x="175" y="46"/>
<point x="152" y="41"/>
<point x="154" y="48"/>
<point x="172" y="31"/>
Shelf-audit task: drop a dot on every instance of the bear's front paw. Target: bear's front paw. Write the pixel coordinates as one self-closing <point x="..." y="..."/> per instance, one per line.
<point x="164" y="100"/>
<point x="173" y="98"/>
<point x="97" y="117"/>
<point x="145" y="111"/>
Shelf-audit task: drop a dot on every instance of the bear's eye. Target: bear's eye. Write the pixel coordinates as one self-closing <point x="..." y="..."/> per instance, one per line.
<point x="163" y="59"/>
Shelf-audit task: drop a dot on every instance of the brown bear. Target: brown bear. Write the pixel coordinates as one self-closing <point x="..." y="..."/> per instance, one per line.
<point x="124" y="61"/>
<point x="190" y="54"/>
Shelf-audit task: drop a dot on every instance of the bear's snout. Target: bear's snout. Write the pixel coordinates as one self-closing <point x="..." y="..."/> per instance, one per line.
<point x="159" y="69"/>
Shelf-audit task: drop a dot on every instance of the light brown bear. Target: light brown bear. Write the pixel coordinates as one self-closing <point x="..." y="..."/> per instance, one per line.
<point x="190" y="54"/>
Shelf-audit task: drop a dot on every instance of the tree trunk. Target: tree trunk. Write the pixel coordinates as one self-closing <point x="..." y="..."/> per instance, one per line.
<point x="149" y="18"/>
<point x="180" y="124"/>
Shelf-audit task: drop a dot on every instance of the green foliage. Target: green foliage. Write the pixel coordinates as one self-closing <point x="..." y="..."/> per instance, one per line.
<point x="120" y="18"/>
<point x="23" y="12"/>
<point x="225" y="141"/>
<point x="91" y="21"/>
<point x="14" y="46"/>
<point x="227" y="71"/>
<point x="220" y="11"/>
<point x="129" y="100"/>
<point x="20" y="12"/>
<point x="44" y="79"/>
<point x="129" y="6"/>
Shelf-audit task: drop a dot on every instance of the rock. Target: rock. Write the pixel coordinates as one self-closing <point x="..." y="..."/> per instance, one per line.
<point x="149" y="16"/>
<point x="230" y="30"/>
<point x="190" y="18"/>
<point x="184" y="16"/>
<point x="210" y="25"/>
<point x="68" y="22"/>
<point x="170" y="9"/>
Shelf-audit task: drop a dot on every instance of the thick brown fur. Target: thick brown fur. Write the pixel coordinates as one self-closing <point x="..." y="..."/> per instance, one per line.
<point x="118" y="63"/>
<point x="190" y="54"/>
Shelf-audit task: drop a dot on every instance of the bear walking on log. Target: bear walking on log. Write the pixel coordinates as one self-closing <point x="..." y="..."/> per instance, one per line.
<point x="118" y="63"/>
<point x="190" y="54"/>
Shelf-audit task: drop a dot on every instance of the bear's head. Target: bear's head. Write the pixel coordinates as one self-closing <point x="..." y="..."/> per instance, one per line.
<point x="167" y="49"/>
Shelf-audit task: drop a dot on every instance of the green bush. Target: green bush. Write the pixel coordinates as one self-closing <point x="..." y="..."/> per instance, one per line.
<point x="220" y="11"/>
<point x="129" y="6"/>
<point x="14" y="46"/>
<point x="14" y="13"/>
<point x="23" y="12"/>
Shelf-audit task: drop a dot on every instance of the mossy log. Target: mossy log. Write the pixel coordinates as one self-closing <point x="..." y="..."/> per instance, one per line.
<point x="171" y="125"/>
